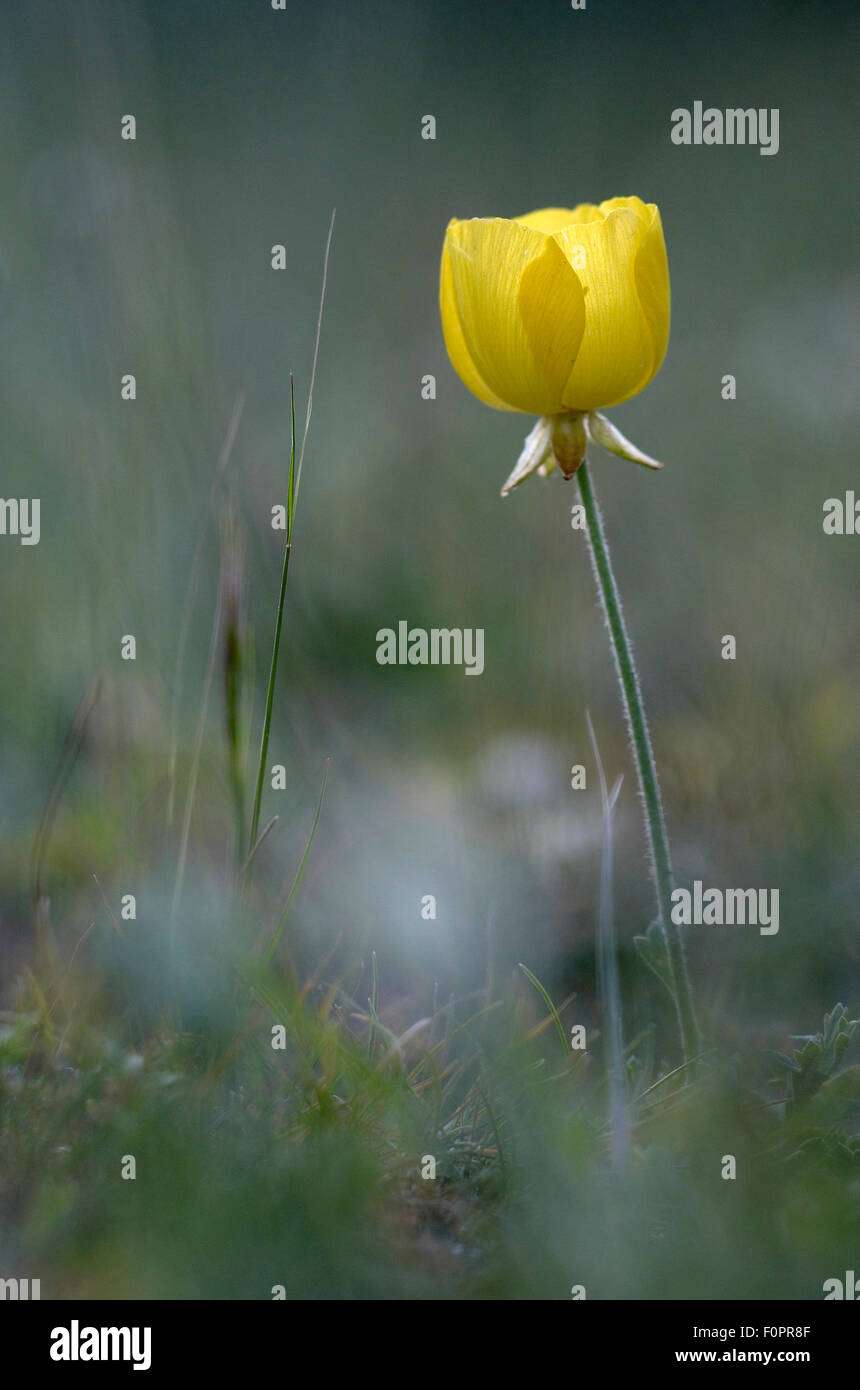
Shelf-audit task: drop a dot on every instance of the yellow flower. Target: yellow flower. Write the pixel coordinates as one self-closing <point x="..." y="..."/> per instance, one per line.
<point x="557" y="310"/>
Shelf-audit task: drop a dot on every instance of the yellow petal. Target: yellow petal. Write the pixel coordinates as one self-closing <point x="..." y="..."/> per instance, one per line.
<point x="617" y="354"/>
<point x="586" y="212"/>
<point x="455" y="343"/>
<point x="546" y="219"/>
<point x="652" y="282"/>
<point x="520" y="308"/>
<point x="651" y="272"/>
<point x="554" y="219"/>
<point x="642" y="210"/>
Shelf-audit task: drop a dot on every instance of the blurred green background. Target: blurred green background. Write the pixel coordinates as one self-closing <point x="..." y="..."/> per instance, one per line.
<point x="153" y="257"/>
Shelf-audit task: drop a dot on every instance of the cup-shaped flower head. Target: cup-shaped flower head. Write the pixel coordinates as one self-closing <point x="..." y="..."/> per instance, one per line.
<point x="559" y="310"/>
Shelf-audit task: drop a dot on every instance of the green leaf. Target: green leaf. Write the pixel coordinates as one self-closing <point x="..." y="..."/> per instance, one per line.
<point x="783" y="1059"/>
<point x="652" y="949"/>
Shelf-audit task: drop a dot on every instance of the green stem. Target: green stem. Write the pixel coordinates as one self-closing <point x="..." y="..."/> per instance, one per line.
<point x="649" y="786"/>
<point x="276" y="645"/>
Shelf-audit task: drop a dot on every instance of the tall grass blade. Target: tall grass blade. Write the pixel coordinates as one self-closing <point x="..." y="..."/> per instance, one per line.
<point x="316" y="351"/>
<point x="276" y="645"/>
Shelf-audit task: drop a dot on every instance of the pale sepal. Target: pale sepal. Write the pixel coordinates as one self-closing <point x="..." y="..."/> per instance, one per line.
<point x="601" y="431"/>
<point x="536" y="449"/>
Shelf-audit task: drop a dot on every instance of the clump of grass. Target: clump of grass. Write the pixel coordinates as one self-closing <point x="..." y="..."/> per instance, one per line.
<point x="306" y="1165"/>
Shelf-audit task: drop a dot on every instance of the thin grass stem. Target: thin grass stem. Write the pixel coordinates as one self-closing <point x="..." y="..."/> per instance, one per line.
<point x="279" y="621"/>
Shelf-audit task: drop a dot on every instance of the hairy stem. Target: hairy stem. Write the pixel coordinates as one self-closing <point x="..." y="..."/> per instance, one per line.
<point x="654" y="820"/>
